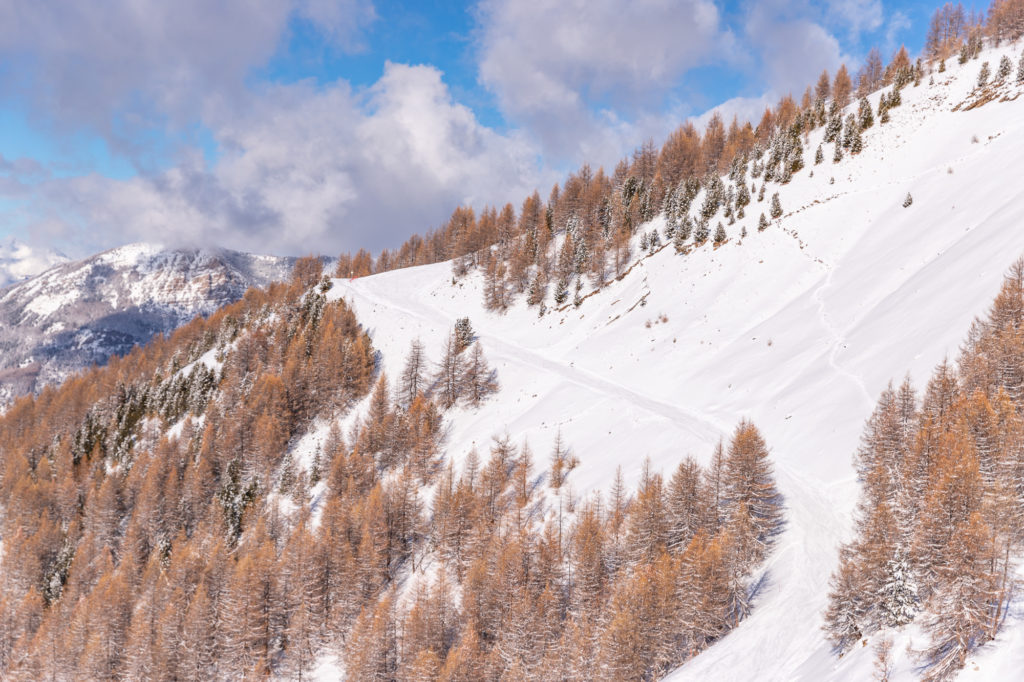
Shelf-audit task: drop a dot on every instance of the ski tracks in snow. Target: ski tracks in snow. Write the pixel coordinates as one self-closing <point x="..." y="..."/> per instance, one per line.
<point x="702" y="427"/>
<point x="838" y="338"/>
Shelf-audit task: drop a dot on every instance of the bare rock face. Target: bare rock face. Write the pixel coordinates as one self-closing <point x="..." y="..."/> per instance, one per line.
<point x="80" y="313"/>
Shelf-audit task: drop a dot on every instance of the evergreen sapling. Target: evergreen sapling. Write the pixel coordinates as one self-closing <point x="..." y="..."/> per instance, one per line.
<point x="867" y="119"/>
<point x="701" y="234"/>
<point x="899" y="593"/>
<point x="857" y="143"/>
<point x="682" y="234"/>
<point x="720" y="235"/>
<point x="983" y="75"/>
<point x="1005" y="68"/>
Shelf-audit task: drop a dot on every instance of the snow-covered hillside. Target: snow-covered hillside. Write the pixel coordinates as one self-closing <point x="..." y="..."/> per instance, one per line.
<point x="19" y="261"/>
<point x="79" y="313"/>
<point x="798" y="327"/>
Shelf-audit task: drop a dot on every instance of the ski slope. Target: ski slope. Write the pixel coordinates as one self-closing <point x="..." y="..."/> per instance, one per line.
<point x="798" y="327"/>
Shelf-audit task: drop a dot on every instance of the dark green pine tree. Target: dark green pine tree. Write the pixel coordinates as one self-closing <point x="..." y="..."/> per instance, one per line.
<point x="775" y="211"/>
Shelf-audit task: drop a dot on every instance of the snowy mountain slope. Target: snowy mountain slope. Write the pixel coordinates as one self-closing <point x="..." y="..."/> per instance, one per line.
<point x="80" y="313"/>
<point x="799" y="328"/>
<point x="19" y="261"/>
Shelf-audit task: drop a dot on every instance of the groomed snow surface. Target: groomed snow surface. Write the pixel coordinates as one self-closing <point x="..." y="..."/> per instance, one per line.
<point x="799" y="328"/>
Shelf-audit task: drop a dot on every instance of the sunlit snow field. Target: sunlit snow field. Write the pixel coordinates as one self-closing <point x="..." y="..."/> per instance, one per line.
<point x="798" y="327"/>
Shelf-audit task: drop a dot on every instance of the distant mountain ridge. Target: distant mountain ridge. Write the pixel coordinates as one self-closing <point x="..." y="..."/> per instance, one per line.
<point x="80" y="313"/>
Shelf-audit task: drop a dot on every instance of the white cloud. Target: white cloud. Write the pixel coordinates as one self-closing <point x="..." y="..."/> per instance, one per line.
<point x="743" y="108"/>
<point x="551" y="64"/>
<point x="857" y="15"/>
<point x="120" y="66"/>
<point x="792" y="50"/>
<point x="898" y="23"/>
<point x="317" y="170"/>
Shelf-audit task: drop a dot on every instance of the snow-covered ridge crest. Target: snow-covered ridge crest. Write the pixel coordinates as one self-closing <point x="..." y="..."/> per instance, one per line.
<point x="79" y="313"/>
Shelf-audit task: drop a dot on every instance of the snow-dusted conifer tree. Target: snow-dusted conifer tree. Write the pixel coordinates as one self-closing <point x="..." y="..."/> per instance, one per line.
<point x="833" y="129"/>
<point x="984" y="74"/>
<point x="700" y="235"/>
<point x="682" y="234"/>
<point x="478" y="379"/>
<point x="857" y="143"/>
<point x="775" y="211"/>
<point x="464" y="333"/>
<point x="867" y="119"/>
<point x="720" y="235"/>
<point x="908" y="200"/>
<point x="561" y="290"/>
<point x="742" y="199"/>
<point x="819" y="155"/>
<point x="449" y="374"/>
<point x="847" y="606"/>
<point x="895" y="99"/>
<point x="850" y="130"/>
<point x="899" y="593"/>
<point x="1005" y="68"/>
<point x="961" y="606"/>
<point x="749" y="485"/>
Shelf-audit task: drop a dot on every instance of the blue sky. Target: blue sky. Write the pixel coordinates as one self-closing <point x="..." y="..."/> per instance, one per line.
<point x="298" y="126"/>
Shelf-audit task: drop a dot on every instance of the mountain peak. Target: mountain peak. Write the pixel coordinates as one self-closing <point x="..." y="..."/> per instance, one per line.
<point x="77" y="313"/>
